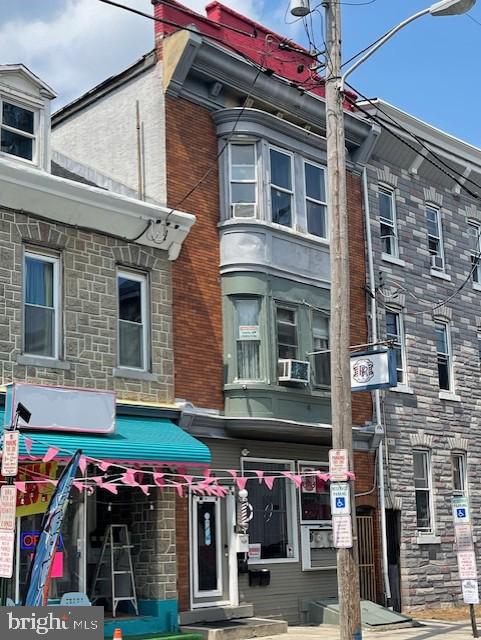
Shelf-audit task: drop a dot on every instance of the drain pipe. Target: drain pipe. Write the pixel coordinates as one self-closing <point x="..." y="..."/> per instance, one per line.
<point x="377" y="394"/>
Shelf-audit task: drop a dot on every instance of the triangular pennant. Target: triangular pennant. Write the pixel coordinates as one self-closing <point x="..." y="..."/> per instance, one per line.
<point x="21" y="486"/>
<point x="50" y="455"/>
<point x="28" y="442"/>
<point x="82" y="463"/>
<point x="108" y="486"/>
<point x="241" y="482"/>
<point x="145" y="488"/>
<point x="180" y="489"/>
<point x="159" y="479"/>
<point x="103" y="466"/>
<point x="233" y="473"/>
<point x="297" y="480"/>
<point x="260" y="475"/>
<point x="78" y="485"/>
<point x="188" y="479"/>
<point x="269" y="480"/>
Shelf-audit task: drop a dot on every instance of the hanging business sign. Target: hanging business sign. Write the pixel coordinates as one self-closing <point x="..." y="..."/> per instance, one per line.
<point x="460" y="510"/>
<point x="470" y="591"/>
<point x="338" y="465"/>
<point x="7" y="546"/>
<point x="10" y="453"/>
<point x="342" y="532"/>
<point x="340" y="499"/>
<point x="373" y="370"/>
<point x="8" y="505"/>
<point x="467" y="565"/>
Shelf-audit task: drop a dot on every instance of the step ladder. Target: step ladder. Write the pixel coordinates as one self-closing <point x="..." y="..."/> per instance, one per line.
<point x="114" y="574"/>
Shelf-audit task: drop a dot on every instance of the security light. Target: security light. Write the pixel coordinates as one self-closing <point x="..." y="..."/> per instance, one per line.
<point x="300" y="8"/>
<point x="451" y="7"/>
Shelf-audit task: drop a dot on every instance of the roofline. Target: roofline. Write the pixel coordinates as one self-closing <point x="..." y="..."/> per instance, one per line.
<point x="38" y="81"/>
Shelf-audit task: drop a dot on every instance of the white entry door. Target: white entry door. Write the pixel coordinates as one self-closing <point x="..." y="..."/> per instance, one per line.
<point x="212" y="554"/>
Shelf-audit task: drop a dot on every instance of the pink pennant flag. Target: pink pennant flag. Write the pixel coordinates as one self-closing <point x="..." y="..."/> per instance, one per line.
<point x="99" y="480"/>
<point x="260" y="475"/>
<point x="269" y="480"/>
<point x="28" y="442"/>
<point x="188" y="479"/>
<point x="297" y="480"/>
<point x="198" y="489"/>
<point x="82" y="464"/>
<point x="53" y="482"/>
<point x="233" y="473"/>
<point x="322" y="476"/>
<point x="351" y="475"/>
<point x="159" y="479"/>
<point x="145" y="489"/>
<point x="78" y="485"/>
<point x="180" y="489"/>
<point x="129" y="478"/>
<point x="50" y="455"/>
<point x="241" y="482"/>
<point x="110" y="487"/>
<point x="21" y="486"/>
<point x="103" y="466"/>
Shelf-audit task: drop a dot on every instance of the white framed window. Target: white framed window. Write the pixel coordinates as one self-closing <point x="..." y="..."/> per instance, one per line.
<point x="243" y="180"/>
<point x="460" y="479"/>
<point x="281" y="187"/>
<point x="395" y="332"/>
<point x="475" y="249"/>
<point x="133" y="325"/>
<point x="274" y="521"/>
<point x="444" y="358"/>
<point x="435" y="237"/>
<point x="248" y="339"/>
<point x="423" y="490"/>
<point x="387" y="219"/>
<point x="41" y="317"/>
<point x="320" y="339"/>
<point x="17" y="130"/>
<point x="314" y="497"/>
<point x="316" y="199"/>
<point x="287" y="339"/>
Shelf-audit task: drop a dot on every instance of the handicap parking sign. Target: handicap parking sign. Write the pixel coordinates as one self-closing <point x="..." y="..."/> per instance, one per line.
<point x="460" y="510"/>
<point x="340" y="500"/>
<point x="340" y="503"/>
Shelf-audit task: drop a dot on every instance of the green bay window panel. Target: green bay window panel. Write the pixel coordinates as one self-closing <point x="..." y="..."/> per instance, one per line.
<point x="422" y="487"/>
<point x="282" y="192"/>
<point x="287" y="340"/>
<point x="272" y="524"/>
<point x="247" y="311"/>
<point x="243" y="180"/>
<point x="131" y="320"/>
<point x="17" y="130"/>
<point x="322" y="361"/>
<point x="40" y="305"/>
<point x="316" y="201"/>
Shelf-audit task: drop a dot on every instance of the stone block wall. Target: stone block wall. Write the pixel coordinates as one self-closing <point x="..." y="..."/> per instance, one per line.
<point x="88" y="263"/>
<point x="419" y="417"/>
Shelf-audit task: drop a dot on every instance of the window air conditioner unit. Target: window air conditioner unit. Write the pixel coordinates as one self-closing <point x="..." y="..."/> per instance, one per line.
<point x="240" y="210"/>
<point x="437" y="262"/>
<point x="293" y="371"/>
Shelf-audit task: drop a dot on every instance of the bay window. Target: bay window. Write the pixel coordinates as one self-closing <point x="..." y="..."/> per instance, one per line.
<point x="274" y="517"/>
<point x="41" y="305"/>
<point x="243" y="180"/>
<point x="247" y="312"/>
<point x="132" y="320"/>
<point x="287" y="340"/>
<point x="281" y="188"/>
<point x="423" y="490"/>
<point x="17" y="130"/>
<point x="320" y="336"/>
<point x="316" y="199"/>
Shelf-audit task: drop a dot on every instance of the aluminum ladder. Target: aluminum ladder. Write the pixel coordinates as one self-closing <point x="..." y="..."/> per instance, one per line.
<point x="114" y="570"/>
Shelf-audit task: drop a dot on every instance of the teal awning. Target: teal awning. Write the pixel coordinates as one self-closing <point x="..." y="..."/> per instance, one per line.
<point x="136" y="439"/>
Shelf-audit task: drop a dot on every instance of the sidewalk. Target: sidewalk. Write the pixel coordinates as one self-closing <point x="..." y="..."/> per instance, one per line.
<point x="429" y="631"/>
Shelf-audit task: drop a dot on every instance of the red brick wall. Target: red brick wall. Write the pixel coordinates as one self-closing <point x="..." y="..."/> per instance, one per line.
<point x="191" y="144"/>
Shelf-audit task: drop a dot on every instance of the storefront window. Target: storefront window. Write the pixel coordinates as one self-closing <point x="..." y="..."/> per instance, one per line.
<point x="314" y="494"/>
<point x="272" y="525"/>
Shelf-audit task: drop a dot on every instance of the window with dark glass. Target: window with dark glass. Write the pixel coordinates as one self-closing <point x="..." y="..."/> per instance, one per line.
<point x="443" y="355"/>
<point x="287" y="333"/>
<point x="16" y="130"/>
<point x="458" y="460"/>
<point x="387" y="218"/>
<point x="314" y="494"/>
<point x="320" y="336"/>
<point x="435" y="238"/>
<point x="243" y="180"/>
<point x="248" y="338"/>
<point x="41" y="305"/>
<point x="132" y="329"/>
<point x="475" y="249"/>
<point x="282" y="192"/>
<point x="395" y="333"/>
<point x="423" y="490"/>
<point x="316" y="201"/>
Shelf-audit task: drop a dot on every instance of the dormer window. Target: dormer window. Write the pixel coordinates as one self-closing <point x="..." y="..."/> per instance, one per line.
<point x="17" y="128"/>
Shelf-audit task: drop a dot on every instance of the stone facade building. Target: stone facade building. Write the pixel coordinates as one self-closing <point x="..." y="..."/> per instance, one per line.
<point x="425" y="227"/>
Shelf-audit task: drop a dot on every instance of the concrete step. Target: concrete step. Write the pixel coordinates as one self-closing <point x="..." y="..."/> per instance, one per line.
<point x="216" y="614"/>
<point x="238" y="629"/>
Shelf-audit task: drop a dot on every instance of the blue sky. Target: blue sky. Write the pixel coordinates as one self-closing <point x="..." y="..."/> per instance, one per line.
<point x="429" y="69"/>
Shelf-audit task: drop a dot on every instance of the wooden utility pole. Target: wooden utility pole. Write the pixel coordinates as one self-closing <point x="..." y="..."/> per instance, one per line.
<point x="347" y="559"/>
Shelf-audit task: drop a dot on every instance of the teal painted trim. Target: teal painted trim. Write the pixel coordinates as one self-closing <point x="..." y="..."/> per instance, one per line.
<point x="156" y="617"/>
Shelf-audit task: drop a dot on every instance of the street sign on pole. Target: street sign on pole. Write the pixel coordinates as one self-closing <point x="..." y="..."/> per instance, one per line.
<point x="10" y="453"/>
<point x="8" y="506"/>
<point x="460" y="507"/>
<point x="464" y="537"/>
<point x="342" y="532"/>
<point x="467" y="565"/>
<point x="340" y="499"/>
<point x="470" y="591"/>
<point x="338" y="465"/>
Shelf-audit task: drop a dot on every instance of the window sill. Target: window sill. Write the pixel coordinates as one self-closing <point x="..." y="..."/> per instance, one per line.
<point x="440" y="274"/>
<point x="449" y="395"/>
<point x="402" y="389"/>
<point x="388" y="258"/>
<point x="133" y="374"/>
<point x="477" y="286"/>
<point x="40" y="361"/>
<point x="274" y="561"/>
<point x="428" y="539"/>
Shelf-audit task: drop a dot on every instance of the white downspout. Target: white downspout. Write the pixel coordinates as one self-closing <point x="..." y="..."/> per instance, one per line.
<point x="377" y="395"/>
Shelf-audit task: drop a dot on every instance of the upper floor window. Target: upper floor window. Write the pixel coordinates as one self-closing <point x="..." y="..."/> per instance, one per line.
<point x="435" y="237"/>
<point x="281" y="188"/>
<point x="248" y="338"/>
<point x="423" y="490"/>
<point x="443" y="348"/>
<point x="395" y="332"/>
<point x="460" y="483"/>
<point x="243" y="180"/>
<point x="17" y="130"/>
<point x="41" y="305"/>
<point x="287" y="340"/>
<point x="475" y="249"/>
<point x="132" y="320"/>
<point x="316" y="200"/>
<point x="387" y="218"/>
<point x="320" y="336"/>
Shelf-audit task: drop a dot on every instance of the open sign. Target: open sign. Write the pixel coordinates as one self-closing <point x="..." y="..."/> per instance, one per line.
<point x="29" y="540"/>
